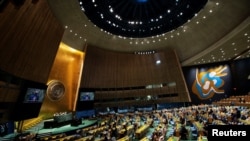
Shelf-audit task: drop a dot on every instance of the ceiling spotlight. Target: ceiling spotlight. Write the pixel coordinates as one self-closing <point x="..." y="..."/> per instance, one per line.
<point x="140" y="18"/>
<point x="158" y="62"/>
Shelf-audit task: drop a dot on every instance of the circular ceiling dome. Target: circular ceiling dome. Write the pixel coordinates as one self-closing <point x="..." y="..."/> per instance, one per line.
<point x="140" y="18"/>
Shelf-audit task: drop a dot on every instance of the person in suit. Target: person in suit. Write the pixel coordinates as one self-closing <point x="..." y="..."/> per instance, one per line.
<point x="183" y="133"/>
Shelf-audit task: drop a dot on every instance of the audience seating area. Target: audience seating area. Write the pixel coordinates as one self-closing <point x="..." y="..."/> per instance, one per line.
<point x="172" y="124"/>
<point x="239" y="100"/>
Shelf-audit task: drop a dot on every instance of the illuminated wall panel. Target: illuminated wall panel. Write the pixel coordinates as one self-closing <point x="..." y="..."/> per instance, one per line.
<point x="67" y="69"/>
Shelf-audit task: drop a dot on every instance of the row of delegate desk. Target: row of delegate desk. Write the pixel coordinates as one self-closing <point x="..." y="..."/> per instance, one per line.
<point x="59" y="120"/>
<point x="141" y="132"/>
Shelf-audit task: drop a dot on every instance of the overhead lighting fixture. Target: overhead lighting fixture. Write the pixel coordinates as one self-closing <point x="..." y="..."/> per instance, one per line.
<point x="140" y="18"/>
<point x="158" y="62"/>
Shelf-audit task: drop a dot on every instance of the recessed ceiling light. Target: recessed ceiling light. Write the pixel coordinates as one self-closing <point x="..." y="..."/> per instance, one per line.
<point x="148" y="17"/>
<point x="158" y="62"/>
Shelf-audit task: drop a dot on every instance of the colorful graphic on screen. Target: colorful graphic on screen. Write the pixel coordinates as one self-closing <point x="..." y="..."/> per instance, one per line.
<point x="86" y="96"/>
<point x="34" y="95"/>
<point x="209" y="82"/>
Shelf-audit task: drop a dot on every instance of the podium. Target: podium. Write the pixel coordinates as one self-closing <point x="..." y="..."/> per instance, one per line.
<point x="76" y="122"/>
<point x="48" y="124"/>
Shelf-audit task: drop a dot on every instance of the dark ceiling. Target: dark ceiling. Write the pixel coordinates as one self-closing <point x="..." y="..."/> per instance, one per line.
<point x="218" y="31"/>
<point x="140" y="18"/>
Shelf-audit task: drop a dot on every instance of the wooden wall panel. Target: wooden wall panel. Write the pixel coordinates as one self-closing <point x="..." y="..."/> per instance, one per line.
<point x="30" y="36"/>
<point x="66" y="69"/>
<point x="107" y="69"/>
<point x="128" y="74"/>
<point x="115" y="70"/>
<point x="8" y="92"/>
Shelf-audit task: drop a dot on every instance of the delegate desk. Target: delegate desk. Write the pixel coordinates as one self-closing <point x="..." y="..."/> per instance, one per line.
<point x="63" y="118"/>
<point x="173" y="138"/>
<point x="98" y="130"/>
<point x="247" y="122"/>
<point x="128" y="128"/>
<point x="202" y="138"/>
<point x="87" y="138"/>
<point x="125" y="138"/>
<point x="59" y="120"/>
<point x="140" y="132"/>
<point x="145" y="139"/>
